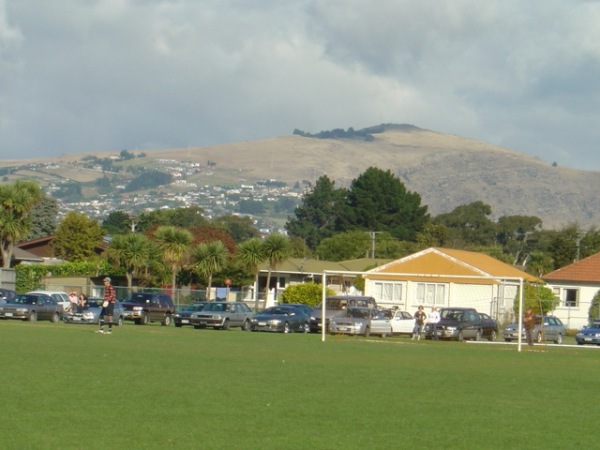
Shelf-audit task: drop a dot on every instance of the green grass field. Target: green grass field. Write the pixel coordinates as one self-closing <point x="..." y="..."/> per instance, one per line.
<point x="146" y="387"/>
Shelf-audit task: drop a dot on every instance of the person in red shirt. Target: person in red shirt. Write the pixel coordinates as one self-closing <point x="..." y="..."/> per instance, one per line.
<point x="108" y="306"/>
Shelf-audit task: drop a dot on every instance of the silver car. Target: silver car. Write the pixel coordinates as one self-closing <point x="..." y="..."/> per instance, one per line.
<point x="550" y="329"/>
<point x="363" y="321"/>
<point x="223" y="315"/>
<point x="32" y="307"/>
<point x="91" y="313"/>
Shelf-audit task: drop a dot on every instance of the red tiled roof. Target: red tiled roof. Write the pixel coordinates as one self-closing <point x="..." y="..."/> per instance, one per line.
<point x="586" y="270"/>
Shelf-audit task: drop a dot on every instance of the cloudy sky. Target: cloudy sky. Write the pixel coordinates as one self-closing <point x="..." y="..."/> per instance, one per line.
<point x="88" y="75"/>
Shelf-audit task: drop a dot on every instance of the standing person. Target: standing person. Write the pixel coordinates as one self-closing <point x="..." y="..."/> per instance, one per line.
<point x="433" y="319"/>
<point x="73" y="301"/>
<point x="529" y="323"/>
<point x="420" y="318"/>
<point x="108" y="306"/>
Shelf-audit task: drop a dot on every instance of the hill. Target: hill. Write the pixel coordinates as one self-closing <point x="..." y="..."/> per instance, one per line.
<point x="446" y="170"/>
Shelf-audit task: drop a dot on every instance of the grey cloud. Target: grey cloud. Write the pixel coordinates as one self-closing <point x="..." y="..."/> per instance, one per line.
<point x="157" y="74"/>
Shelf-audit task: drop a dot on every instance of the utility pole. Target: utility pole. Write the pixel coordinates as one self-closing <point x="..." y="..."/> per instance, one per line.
<point x="373" y="234"/>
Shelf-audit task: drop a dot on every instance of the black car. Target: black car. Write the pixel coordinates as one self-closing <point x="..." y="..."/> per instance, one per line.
<point x="145" y="307"/>
<point x="282" y="318"/>
<point x="457" y="323"/>
<point x="183" y="316"/>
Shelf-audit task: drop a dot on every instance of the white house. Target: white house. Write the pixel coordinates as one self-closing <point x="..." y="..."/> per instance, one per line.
<point x="575" y="285"/>
<point x="446" y="277"/>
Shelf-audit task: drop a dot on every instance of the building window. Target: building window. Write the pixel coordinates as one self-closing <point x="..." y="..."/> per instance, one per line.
<point x="388" y="292"/>
<point x="571" y="298"/>
<point x="431" y="293"/>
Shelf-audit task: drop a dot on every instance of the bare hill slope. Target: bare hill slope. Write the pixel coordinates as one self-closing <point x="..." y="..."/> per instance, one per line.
<point x="447" y="171"/>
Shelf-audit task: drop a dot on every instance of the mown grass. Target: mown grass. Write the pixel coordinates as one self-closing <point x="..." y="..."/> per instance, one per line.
<point x="154" y="387"/>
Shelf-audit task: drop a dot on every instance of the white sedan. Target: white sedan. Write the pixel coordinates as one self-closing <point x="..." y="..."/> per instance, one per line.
<point x="402" y="322"/>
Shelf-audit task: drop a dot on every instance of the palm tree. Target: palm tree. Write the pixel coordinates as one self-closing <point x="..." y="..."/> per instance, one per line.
<point x="251" y="253"/>
<point x="132" y="252"/>
<point x="208" y="258"/>
<point x="174" y="243"/>
<point x="276" y="248"/>
<point x="16" y="202"/>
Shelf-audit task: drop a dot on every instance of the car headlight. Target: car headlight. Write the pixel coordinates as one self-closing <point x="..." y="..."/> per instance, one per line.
<point x="451" y="328"/>
<point x="313" y="318"/>
<point x="22" y="310"/>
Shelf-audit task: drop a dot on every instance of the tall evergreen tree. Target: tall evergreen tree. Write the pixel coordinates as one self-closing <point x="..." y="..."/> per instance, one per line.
<point x="317" y="216"/>
<point x="379" y="201"/>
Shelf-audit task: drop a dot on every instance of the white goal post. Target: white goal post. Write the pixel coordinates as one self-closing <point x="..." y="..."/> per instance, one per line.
<point x="492" y="295"/>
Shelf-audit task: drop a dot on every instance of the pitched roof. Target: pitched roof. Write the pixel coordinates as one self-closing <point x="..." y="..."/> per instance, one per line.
<point x="440" y="262"/>
<point x="587" y="270"/>
<point x="317" y="266"/>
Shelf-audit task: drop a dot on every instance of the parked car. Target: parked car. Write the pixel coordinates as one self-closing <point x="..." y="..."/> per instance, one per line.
<point x="60" y="296"/>
<point x="457" y="323"/>
<point x="282" y="318"/>
<point x="549" y="329"/>
<point x="364" y="321"/>
<point x="336" y="305"/>
<point x="489" y="327"/>
<point x="402" y="322"/>
<point x="223" y="315"/>
<point x="32" y="307"/>
<point x="182" y="317"/>
<point x="145" y="307"/>
<point x="302" y="306"/>
<point x="91" y="313"/>
<point x="6" y="295"/>
<point x="589" y="334"/>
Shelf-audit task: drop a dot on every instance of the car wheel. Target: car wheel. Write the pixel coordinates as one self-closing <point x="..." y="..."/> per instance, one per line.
<point x="306" y="328"/>
<point x="225" y="325"/>
<point x="55" y="318"/>
<point x="493" y="336"/>
<point x="507" y="340"/>
<point x="461" y="336"/>
<point x="558" y="339"/>
<point x="367" y="332"/>
<point x="166" y="320"/>
<point x="33" y="316"/>
<point x="120" y="321"/>
<point x="246" y="325"/>
<point x="178" y="325"/>
<point x="477" y="335"/>
<point x="286" y="328"/>
<point x="144" y="319"/>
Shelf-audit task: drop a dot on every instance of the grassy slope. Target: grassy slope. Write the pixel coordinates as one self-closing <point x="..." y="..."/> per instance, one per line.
<point x="154" y="387"/>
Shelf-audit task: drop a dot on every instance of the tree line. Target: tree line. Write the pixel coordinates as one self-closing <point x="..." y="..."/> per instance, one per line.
<point x="376" y="216"/>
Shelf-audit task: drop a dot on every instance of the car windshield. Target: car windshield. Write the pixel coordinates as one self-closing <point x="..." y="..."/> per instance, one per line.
<point x="218" y="307"/>
<point x="278" y="311"/>
<point x="140" y="297"/>
<point x="335" y="304"/>
<point x="452" y="314"/>
<point x="358" y="313"/>
<point x="595" y="324"/>
<point x="194" y="307"/>
<point x="26" y="299"/>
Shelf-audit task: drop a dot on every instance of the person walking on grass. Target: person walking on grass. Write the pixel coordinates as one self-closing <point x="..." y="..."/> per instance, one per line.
<point x="108" y="306"/>
<point x="420" y="317"/>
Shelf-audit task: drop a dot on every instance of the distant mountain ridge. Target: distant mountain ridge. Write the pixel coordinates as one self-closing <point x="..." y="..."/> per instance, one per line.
<point x="446" y="170"/>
